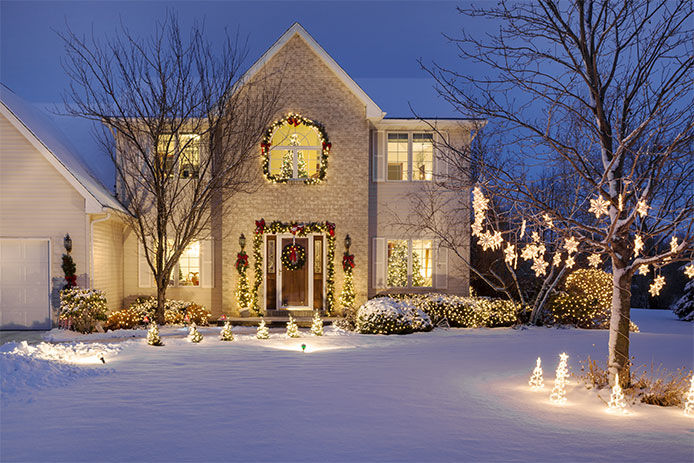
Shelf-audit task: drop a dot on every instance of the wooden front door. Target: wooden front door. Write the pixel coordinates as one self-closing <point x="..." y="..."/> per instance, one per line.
<point x="295" y="283"/>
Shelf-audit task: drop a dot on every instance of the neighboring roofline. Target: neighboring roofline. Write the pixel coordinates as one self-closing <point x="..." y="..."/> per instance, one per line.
<point x="92" y="204"/>
<point x="373" y="112"/>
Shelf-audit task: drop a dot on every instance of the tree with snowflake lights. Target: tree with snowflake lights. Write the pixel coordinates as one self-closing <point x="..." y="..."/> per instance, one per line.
<point x="558" y="395"/>
<point x="262" y="332"/>
<point x="226" y="334"/>
<point x="317" y="325"/>
<point x="153" y="338"/>
<point x="536" y="383"/>
<point x="193" y="334"/>
<point x="292" y="328"/>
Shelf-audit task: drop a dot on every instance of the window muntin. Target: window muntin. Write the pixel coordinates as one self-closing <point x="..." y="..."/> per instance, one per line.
<point x="189" y="265"/>
<point x="295" y="152"/>
<point x="410" y="263"/>
<point x="422" y="156"/>
<point x="422" y="263"/>
<point x="397" y="156"/>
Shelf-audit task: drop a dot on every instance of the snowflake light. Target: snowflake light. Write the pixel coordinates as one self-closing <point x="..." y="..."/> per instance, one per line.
<point x="479" y="206"/>
<point x="642" y="208"/>
<point x="689" y="270"/>
<point x="476" y="228"/>
<point x="657" y="285"/>
<point x="536" y="383"/>
<point x="539" y="266"/>
<point x="533" y="251"/>
<point x="571" y="245"/>
<point x="620" y="204"/>
<point x="558" y="395"/>
<point x="510" y="255"/>
<point x="489" y="240"/>
<point x="643" y="269"/>
<point x="599" y="206"/>
<point x="673" y="244"/>
<point x="536" y="236"/>
<point x="569" y="262"/>
<point x="638" y="244"/>
<point x="548" y="221"/>
<point x="594" y="260"/>
<point x="617" y="402"/>
<point x="556" y="260"/>
<point x="689" y="404"/>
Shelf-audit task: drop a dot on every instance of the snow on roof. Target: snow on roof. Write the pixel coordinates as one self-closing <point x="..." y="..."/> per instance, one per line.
<point x="58" y="145"/>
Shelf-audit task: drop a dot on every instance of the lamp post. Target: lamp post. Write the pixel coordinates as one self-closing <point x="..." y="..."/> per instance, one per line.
<point x="348" y="243"/>
<point x="242" y="241"/>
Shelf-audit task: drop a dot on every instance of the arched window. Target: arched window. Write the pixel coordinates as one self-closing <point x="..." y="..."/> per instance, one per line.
<point x="295" y="148"/>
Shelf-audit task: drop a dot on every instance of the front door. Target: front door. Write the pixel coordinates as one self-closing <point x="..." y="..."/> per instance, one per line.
<point x="294" y="291"/>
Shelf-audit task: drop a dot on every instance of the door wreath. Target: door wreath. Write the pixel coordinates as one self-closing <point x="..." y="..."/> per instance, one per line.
<point x="293" y="256"/>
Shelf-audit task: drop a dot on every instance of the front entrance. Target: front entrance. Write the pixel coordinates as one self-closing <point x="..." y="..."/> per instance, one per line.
<point x="299" y="288"/>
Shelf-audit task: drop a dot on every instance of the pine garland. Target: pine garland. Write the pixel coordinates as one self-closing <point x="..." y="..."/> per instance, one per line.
<point x="348" y="296"/>
<point x="243" y="293"/>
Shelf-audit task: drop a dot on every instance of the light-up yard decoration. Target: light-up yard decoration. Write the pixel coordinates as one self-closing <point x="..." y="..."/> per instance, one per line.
<point x="689" y="400"/>
<point x="617" y="403"/>
<point x="226" y="334"/>
<point x="558" y="395"/>
<point x="153" y="338"/>
<point x="317" y="325"/>
<point x="536" y="383"/>
<point x="292" y="328"/>
<point x="193" y="334"/>
<point x="262" y="332"/>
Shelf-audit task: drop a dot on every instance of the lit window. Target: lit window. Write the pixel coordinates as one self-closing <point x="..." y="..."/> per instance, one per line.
<point x="410" y="263"/>
<point x="295" y="152"/>
<point x="422" y="156"/>
<point x="397" y="156"/>
<point x="187" y="147"/>
<point x="189" y="265"/>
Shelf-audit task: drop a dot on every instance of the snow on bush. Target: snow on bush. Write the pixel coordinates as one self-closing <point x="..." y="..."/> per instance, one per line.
<point x="174" y="311"/>
<point x="24" y="367"/>
<point x="82" y="309"/>
<point x="385" y="315"/>
<point x="684" y="306"/>
<point x="466" y="312"/>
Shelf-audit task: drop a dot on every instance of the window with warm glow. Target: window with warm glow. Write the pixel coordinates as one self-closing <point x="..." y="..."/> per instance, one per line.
<point x="187" y="147"/>
<point x="422" y="156"/>
<point x="410" y="156"/>
<point x="189" y="265"/>
<point x="410" y="263"/>
<point x="422" y="260"/>
<point x="397" y="156"/>
<point x="295" y="152"/>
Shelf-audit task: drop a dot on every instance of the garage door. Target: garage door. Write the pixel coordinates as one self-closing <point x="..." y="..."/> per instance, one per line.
<point x="24" y="284"/>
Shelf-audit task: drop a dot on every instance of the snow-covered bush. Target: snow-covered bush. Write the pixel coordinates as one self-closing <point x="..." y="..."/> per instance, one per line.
<point x="175" y="312"/>
<point x="684" y="306"/>
<point x="197" y="314"/>
<point x="385" y="315"/>
<point x="82" y="309"/>
<point x="173" y="317"/>
<point x="125" y="319"/>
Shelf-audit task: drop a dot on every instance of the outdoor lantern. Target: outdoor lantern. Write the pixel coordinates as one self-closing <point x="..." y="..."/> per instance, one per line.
<point x="242" y="241"/>
<point x="67" y="242"/>
<point x="348" y="242"/>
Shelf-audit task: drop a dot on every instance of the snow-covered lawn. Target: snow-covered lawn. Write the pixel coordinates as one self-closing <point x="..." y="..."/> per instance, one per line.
<point x="447" y="395"/>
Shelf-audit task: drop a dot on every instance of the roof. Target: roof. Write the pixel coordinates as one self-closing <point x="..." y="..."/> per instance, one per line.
<point x="57" y="149"/>
<point x="372" y="109"/>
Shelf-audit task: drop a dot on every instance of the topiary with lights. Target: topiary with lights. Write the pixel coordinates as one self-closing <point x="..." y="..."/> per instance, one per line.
<point x="262" y="332"/>
<point x="348" y="295"/>
<point x="243" y="293"/>
<point x="153" y="338"/>
<point x="226" y="334"/>
<point x="317" y="325"/>
<point x="292" y="328"/>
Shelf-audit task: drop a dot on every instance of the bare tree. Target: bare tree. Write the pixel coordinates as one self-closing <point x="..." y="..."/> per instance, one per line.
<point x="601" y="91"/>
<point x="180" y="124"/>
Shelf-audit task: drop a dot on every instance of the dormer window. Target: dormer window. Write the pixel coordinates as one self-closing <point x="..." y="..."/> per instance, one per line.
<point x="295" y="148"/>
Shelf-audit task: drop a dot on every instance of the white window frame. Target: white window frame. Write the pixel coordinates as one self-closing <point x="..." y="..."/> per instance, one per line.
<point x="410" y="157"/>
<point x="295" y="157"/>
<point x="409" y="262"/>
<point x="176" y="142"/>
<point x="174" y="280"/>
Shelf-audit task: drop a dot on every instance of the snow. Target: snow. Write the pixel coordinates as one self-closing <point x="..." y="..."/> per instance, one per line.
<point x="445" y="395"/>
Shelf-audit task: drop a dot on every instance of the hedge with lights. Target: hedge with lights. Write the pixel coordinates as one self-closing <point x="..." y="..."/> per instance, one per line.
<point x="276" y="227"/>
<point x="385" y="315"/>
<point x="295" y="120"/>
<point x="125" y="319"/>
<point x="82" y="309"/>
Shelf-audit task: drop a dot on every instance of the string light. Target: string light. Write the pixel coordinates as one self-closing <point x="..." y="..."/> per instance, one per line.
<point x="489" y="240"/>
<point x="548" y="220"/>
<point x="689" y="404"/>
<point x="262" y="332"/>
<point x="556" y="260"/>
<point x="153" y="338"/>
<point x="673" y="244"/>
<point x="536" y="237"/>
<point x="570" y="262"/>
<point x="226" y="334"/>
<point x="617" y="402"/>
<point x="689" y="270"/>
<point x="292" y="329"/>
<point x="571" y="245"/>
<point x="479" y="206"/>
<point x="644" y="269"/>
<point x="193" y="334"/>
<point x="599" y="206"/>
<point x="638" y="244"/>
<point x="642" y="208"/>
<point x="657" y="285"/>
<point x="621" y="202"/>
<point x="510" y="256"/>
<point x="540" y="267"/>
<point x="536" y="382"/>
<point x="558" y="395"/>
<point x="317" y="325"/>
<point x="594" y="260"/>
<point x="522" y="233"/>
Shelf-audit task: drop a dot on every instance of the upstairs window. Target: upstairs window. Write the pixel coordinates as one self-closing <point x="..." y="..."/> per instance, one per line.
<point x="410" y="156"/>
<point x="187" y="147"/>
<point x="295" y="148"/>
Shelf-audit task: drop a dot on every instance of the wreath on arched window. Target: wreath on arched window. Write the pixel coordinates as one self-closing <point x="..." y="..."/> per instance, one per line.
<point x="293" y="256"/>
<point x="296" y="120"/>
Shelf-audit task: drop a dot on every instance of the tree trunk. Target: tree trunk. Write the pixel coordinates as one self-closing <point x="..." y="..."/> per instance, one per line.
<point x="618" y="360"/>
<point x="161" y="301"/>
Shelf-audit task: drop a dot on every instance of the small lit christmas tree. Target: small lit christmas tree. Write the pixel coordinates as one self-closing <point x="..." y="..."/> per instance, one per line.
<point x="226" y="334"/>
<point x="317" y="325"/>
<point x="397" y="267"/>
<point x="287" y="168"/>
<point x="617" y="402"/>
<point x="558" y="395"/>
<point x="153" y="338"/>
<point x="536" y="382"/>
<point x="689" y="400"/>
<point x="193" y="334"/>
<point x="292" y="329"/>
<point x="262" y="332"/>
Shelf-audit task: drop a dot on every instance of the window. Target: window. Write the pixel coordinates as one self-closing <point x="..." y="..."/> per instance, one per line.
<point x="295" y="152"/>
<point x="410" y="156"/>
<point x="410" y="263"/>
<point x="189" y="265"/>
<point x="187" y="147"/>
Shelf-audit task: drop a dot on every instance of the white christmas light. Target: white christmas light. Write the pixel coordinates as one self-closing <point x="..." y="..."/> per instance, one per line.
<point x="556" y="260"/>
<point x="599" y="206"/>
<point x="657" y="285"/>
<point x="193" y="334"/>
<point x="523" y="228"/>
<point x="571" y="245"/>
<point x="689" y="401"/>
<point x="570" y="262"/>
<point x="489" y="240"/>
<point x="620" y="205"/>
<point x="292" y="328"/>
<point x="536" y="236"/>
<point x="594" y="260"/>
<point x="226" y="334"/>
<point x="540" y="267"/>
<point x="558" y="395"/>
<point x="262" y="332"/>
<point x="644" y="269"/>
<point x="642" y="208"/>
<point x="476" y="228"/>
<point x="548" y="221"/>
<point x="638" y="244"/>
<point x="317" y="325"/>
<point x="617" y="402"/>
<point x="510" y="255"/>
<point x="689" y="270"/>
<point x="536" y="383"/>
<point x="673" y="244"/>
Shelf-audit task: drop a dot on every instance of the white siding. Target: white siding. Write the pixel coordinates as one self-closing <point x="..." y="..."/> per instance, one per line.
<point x="108" y="261"/>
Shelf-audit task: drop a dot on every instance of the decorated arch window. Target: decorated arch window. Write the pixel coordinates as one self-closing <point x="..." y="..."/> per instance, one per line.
<point x="295" y="148"/>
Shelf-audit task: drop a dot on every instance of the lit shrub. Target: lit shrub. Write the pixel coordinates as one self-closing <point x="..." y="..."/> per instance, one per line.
<point x="465" y="312"/>
<point x="197" y="314"/>
<point x="82" y="309"/>
<point x="503" y="313"/>
<point x="125" y="319"/>
<point x="385" y="315"/>
<point x="586" y="300"/>
<point x="175" y="312"/>
<point x="173" y="317"/>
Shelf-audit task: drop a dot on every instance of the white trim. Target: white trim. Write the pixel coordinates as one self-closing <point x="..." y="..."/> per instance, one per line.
<point x="372" y="109"/>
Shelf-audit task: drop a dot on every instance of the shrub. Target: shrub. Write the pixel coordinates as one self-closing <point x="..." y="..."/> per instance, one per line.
<point x="174" y="311"/>
<point x="173" y="317"/>
<point x="125" y="319"/>
<point x="82" y="309"/>
<point x="586" y="300"/>
<point x="388" y="316"/>
<point x="684" y="306"/>
<point x="197" y="314"/>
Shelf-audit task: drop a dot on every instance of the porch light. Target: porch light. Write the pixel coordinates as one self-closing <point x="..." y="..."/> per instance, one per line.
<point x="242" y="241"/>
<point x="348" y="242"/>
<point x="67" y="242"/>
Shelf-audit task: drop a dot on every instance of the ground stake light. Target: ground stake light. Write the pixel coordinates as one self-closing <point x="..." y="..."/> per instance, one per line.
<point x="689" y="404"/>
<point x="558" y="395"/>
<point x="617" y="402"/>
<point x="303" y="348"/>
<point x="536" y="383"/>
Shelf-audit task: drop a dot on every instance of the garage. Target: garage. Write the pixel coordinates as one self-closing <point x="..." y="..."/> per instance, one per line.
<point x="24" y="284"/>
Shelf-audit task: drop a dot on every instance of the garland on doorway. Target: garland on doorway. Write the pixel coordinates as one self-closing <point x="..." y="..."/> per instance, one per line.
<point x="296" y="229"/>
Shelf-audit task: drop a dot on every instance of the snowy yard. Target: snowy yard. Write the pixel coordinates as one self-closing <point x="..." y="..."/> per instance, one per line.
<point x="447" y="395"/>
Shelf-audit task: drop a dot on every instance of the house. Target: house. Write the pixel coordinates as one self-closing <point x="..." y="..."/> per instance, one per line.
<point x="332" y="165"/>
